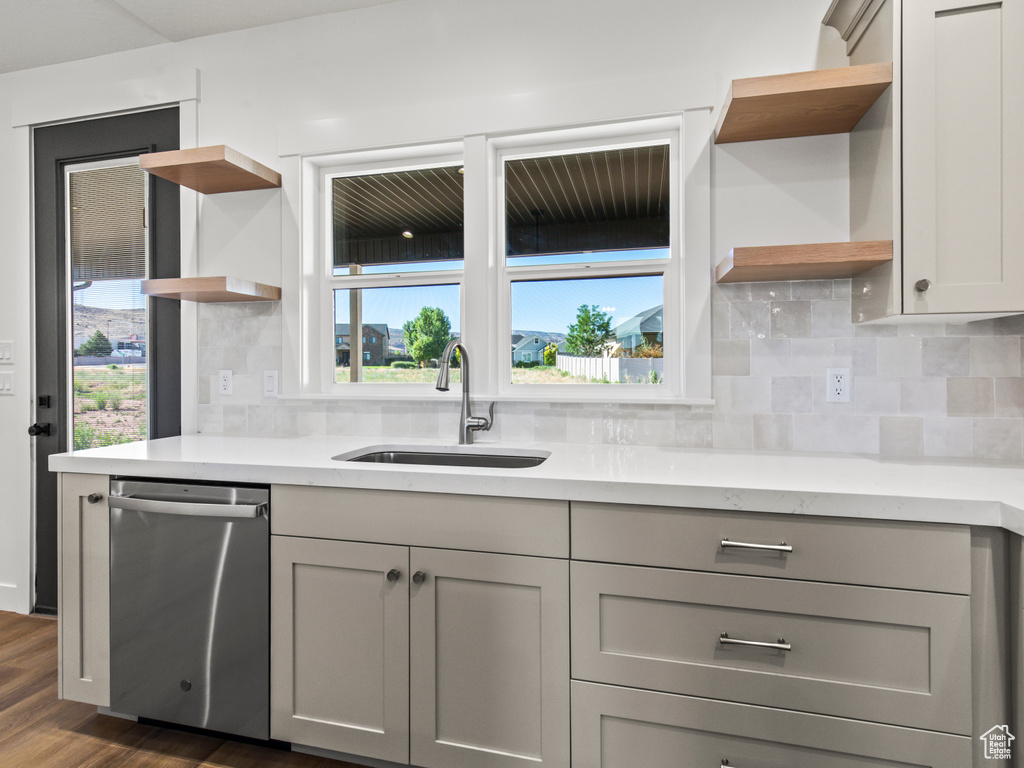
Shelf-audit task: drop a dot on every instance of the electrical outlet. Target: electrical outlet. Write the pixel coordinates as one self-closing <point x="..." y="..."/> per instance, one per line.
<point x="837" y="383"/>
<point x="225" y="384"/>
<point x="270" y="383"/>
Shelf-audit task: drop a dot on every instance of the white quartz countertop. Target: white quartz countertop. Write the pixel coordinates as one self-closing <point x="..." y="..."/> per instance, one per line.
<point x="841" y="486"/>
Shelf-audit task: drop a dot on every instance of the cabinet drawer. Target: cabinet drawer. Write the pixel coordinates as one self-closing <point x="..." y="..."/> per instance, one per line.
<point x="442" y="520"/>
<point x="887" y="655"/>
<point x="623" y="728"/>
<point x="927" y="557"/>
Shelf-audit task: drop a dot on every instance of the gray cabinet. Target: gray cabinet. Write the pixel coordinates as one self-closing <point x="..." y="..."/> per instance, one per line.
<point x="922" y="556"/>
<point x="461" y="658"/>
<point x="771" y="640"/>
<point x="888" y="655"/>
<point x="937" y="164"/>
<point x="963" y="156"/>
<point x="489" y="660"/>
<point x="624" y="728"/>
<point x="84" y="598"/>
<point x="340" y="639"/>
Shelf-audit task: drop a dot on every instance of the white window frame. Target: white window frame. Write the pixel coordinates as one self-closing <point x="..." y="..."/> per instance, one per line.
<point x="316" y="369"/>
<point x="666" y="131"/>
<point x="484" y="281"/>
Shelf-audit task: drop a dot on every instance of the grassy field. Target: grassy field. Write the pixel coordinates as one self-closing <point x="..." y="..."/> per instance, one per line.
<point x="110" y="405"/>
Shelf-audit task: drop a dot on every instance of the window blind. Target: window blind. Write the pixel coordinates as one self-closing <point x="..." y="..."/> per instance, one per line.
<point x="108" y="228"/>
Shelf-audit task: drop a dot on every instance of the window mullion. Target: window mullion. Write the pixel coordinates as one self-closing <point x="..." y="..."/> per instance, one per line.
<point x="479" y="320"/>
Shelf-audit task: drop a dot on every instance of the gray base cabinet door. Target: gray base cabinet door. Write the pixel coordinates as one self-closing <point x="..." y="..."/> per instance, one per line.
<point x="84" y="599"/>
<point x="625" y="728"/>
<point x="490" y="660"/>
<point x="340" y="646"/>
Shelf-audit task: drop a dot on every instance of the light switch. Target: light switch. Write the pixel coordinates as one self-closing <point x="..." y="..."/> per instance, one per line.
<point x="7" y="383"/>
<point x="7" y="352"/>
<point x="270" y="383"/>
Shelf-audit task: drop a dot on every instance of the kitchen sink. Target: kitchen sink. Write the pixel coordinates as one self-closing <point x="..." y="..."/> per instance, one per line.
<point x="447" y="456"/>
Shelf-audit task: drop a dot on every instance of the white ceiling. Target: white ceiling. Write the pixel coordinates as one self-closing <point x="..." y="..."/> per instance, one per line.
<point x="34" y="33"/>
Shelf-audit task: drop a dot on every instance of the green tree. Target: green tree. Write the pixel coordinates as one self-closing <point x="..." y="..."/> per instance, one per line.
<point x="96" y="345"/>
<point x="551" y="354"/>
<point x="427" y="333"/>
<point x="587" y="337"/>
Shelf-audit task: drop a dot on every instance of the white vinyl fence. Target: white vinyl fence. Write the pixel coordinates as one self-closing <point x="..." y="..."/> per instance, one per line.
<point x="623" y="370"/>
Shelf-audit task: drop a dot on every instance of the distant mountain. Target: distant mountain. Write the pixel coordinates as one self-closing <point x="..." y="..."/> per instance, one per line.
<point x="548" y="336"/>
<point x="112" y="323"/>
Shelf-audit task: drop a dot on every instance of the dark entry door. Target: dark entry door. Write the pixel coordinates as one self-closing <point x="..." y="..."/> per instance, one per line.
<point x="150" y="341"/>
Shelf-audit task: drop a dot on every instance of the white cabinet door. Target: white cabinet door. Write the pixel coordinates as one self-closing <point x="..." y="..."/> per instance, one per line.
<point x="340" y="646"/>
<point x="490" y="660"/>
<point x="963" y="156"/>
<point x="84" y="600"/>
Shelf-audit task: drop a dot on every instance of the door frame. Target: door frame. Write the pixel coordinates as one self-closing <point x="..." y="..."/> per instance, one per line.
<point x="79" y="99"/>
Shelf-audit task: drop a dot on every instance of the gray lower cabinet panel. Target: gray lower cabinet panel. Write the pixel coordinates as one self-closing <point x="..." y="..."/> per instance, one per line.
<point x="626" y="728"/>
<point x="84" y="595"/>
<point x="451" y="521"/>
<point x="923" y="556"/>
<point x="340" y="646"/>
<point x="489" y="653"/>
<point x="885" y="655"/>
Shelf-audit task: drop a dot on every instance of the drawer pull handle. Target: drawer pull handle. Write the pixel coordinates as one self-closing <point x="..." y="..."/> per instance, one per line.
<point x="780" y="547"/>
<point x="393" y="575"/>
<point x="779" y="644"/>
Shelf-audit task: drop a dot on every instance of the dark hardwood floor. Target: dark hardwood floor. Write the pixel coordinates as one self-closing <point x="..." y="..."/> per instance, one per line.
<point x="38" y="730"/>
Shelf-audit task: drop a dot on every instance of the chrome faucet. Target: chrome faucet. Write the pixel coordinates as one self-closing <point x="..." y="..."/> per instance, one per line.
<point x="468" y="424"/>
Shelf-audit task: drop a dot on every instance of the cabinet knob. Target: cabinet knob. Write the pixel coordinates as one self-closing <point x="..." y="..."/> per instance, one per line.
<point x="419" y="577"/>
<point x="922" y="285"/>
<point x="94" y="498"/>
<point x="393" y="574"/>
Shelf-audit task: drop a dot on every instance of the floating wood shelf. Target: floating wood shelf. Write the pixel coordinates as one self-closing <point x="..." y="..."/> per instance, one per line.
<point x="800" y="104"/>
<point x="210" y="170"/>
<point x="210" y="289"/>
<point x="812" y="261"/>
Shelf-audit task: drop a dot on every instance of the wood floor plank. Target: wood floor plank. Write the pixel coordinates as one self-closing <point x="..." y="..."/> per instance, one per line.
<point x="38" y="730"/>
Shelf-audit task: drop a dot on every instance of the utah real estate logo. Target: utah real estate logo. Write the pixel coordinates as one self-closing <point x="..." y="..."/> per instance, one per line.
<point x="997" y="742"/>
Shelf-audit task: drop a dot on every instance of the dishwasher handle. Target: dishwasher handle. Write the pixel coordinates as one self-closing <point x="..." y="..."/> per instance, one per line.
<point x="195" y="509"/>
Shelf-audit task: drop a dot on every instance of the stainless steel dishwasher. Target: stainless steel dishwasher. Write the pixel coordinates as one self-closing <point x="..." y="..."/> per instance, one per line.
<point x="189" y="613"/>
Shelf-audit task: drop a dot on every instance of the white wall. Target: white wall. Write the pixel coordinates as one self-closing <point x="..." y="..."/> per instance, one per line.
<point x="402" y="66"/>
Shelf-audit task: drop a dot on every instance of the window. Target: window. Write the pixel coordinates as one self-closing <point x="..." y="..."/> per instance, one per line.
<point x="565" y="247"/>
<point x="393" y="256"/>
<point x="590" y="243"/>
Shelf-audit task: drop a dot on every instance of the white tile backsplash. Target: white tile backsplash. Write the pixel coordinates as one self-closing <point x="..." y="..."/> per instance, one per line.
<point x="918" y="389"/>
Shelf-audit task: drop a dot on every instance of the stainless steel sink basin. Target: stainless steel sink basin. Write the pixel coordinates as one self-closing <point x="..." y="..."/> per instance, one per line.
<point x="447" y="456"/>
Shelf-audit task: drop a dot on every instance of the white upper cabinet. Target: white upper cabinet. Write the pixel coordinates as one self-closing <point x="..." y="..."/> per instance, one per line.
<point x="938" y="163"/>
<point x="963" y="156"/>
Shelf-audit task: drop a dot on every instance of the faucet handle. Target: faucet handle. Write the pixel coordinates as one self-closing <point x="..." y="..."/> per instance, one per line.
<point x="482" y="423"/>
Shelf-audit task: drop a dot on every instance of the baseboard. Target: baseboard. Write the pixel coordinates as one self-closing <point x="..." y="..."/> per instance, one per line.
<point x="14" y="599"/>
